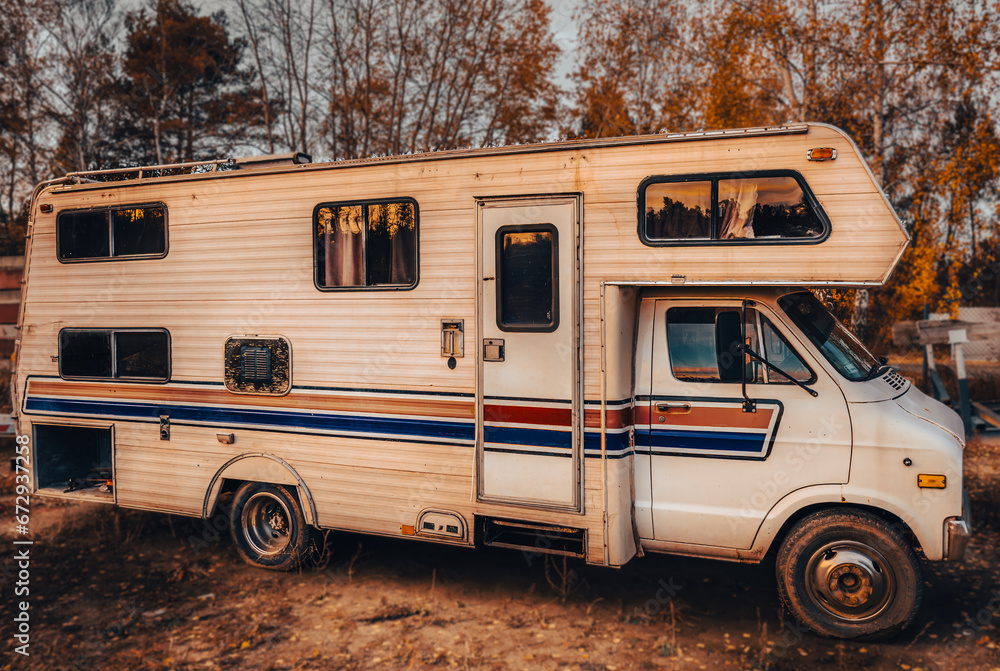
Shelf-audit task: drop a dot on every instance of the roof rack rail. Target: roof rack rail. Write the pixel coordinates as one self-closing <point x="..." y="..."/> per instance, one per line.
<point x="138" y="172"/>
<point x="247" y="163"/>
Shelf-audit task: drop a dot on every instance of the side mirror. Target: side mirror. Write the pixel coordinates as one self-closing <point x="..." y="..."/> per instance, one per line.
<point x="729" y="345"/>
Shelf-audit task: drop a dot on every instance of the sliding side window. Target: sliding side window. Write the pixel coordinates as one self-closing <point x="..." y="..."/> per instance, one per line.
<point x="763" y="207"/>
<point x="110" y="354"/>
<point x="130" y="232"/>
<point x="366" y="244"/>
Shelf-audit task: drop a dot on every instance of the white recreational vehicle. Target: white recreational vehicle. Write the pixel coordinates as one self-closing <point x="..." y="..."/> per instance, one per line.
<point x="589" y="348"/>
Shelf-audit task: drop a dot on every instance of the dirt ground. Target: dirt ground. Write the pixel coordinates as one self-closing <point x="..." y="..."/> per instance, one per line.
<point x="113" y="589"/>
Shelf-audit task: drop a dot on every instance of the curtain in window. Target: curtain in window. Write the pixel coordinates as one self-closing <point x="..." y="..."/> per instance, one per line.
<point x="342" y="230"/>
<point x="738" y="202"/>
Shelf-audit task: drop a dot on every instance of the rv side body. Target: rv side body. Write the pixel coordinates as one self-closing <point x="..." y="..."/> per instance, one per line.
<point x="424" y="409"/>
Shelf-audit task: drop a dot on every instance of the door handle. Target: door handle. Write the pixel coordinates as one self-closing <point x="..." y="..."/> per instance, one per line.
<point x="677" y="408"/>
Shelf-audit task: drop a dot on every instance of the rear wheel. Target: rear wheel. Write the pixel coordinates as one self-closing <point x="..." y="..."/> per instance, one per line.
<point x="268" y="527"/>
<point x="849" y="575"/>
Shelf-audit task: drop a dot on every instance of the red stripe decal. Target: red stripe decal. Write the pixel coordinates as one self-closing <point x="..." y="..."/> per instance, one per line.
<point x="617" y="419"/>
<point x="519" y="414"/>
<point x="731" y="417"/>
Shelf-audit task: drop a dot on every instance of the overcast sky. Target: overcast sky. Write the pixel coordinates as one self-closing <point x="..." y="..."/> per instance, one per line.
<point x="565" y="30"/>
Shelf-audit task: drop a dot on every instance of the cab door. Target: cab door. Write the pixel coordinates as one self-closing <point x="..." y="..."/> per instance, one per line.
<point x="716" y="465"/>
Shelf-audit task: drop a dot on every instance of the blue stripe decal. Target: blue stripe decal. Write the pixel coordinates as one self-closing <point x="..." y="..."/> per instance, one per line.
<point x="703" y="440"/>
<point x="617" y="442"/>
<point x="371" y="425"/>
<point x="514" y="436"/>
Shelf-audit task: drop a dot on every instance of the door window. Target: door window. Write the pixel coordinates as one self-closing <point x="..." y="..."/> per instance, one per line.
<point x="697" y="353"/>
<point x="527" y="278"/>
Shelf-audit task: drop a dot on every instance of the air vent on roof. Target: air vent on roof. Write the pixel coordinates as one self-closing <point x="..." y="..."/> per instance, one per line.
<point x="272" y="160"/>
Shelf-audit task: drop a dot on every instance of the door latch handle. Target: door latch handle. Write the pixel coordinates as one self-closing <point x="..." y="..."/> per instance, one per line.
<point x="678" y="408"/>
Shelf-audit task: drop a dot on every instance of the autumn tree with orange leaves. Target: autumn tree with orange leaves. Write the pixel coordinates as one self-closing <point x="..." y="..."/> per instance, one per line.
<point x="912" y="81"/>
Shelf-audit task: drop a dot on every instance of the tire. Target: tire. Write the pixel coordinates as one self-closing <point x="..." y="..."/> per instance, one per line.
<point x="849" y="574"/>
<point x="268" y="527"/>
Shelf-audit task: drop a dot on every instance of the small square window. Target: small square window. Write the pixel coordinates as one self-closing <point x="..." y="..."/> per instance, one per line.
<point x="83" y="235"/>
<point x="138" y="231"/>
<point x="85" y="353"/>
<point x="142" y="354"/>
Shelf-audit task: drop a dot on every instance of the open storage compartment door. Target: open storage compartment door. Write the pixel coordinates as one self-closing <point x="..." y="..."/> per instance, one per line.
<point x="72" y="461"/>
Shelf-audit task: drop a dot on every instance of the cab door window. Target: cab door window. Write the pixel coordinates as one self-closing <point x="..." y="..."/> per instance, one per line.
<point x="698" y="355"/>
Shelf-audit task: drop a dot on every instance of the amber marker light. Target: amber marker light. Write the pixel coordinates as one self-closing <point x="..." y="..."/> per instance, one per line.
<point x="821" y="154"/>
<point x="931" y="481"/>
<point x="407" y="529"/>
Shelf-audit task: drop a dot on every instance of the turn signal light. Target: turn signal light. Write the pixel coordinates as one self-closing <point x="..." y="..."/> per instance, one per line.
<point x="931" y="481"/>
<point x="821" y="154"/>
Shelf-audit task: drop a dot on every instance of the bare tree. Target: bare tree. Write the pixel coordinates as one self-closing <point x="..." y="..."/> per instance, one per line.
<point x="80" y="83"/>
<point x="253" y="25"/>
<point x="422" y="75"/>
<point x="23" y="123"/>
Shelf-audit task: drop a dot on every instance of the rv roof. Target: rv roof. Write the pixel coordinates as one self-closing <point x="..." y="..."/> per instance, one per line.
<point x="233" y="166"/>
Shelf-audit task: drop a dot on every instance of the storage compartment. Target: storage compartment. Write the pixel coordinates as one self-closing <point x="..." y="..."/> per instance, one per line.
<point x="73" y="461"/>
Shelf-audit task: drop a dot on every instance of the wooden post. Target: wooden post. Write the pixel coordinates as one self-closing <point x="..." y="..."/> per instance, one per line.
<point x="937" y="388"/>
<point x="926" y="379"/>
<point x="956" y="338"/>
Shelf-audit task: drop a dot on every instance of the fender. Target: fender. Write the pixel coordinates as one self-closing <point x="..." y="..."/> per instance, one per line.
<point x="260" y="467"/>
<point x="912" y="511"/>
<point x="931" y="540"/>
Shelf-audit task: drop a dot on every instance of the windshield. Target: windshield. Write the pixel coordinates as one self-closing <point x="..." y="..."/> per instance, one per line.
<point x="830" y="337"/>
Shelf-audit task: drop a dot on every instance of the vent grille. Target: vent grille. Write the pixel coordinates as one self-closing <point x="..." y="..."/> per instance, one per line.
<point x="895" y="380"/>
<point x="256" y="364"/>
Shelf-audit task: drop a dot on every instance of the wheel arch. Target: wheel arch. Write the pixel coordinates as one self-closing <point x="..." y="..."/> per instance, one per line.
<point x="258" y="467"/>
<point x="797" y="506"/>
<point x="881" y="513"/>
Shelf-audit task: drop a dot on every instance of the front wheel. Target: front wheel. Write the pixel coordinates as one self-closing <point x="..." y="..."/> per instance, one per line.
<point x="849" y="575"/>
<point x="268" y="527"/>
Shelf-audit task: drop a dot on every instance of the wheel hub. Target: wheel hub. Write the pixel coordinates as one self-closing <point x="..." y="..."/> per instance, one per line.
<point x="850" y="586"/>
<point x="851" y="580"/>
<point x="266" y="524"/>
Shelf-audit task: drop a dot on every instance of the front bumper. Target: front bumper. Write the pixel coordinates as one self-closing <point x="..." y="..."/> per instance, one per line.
<point x="957" y="531"/>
